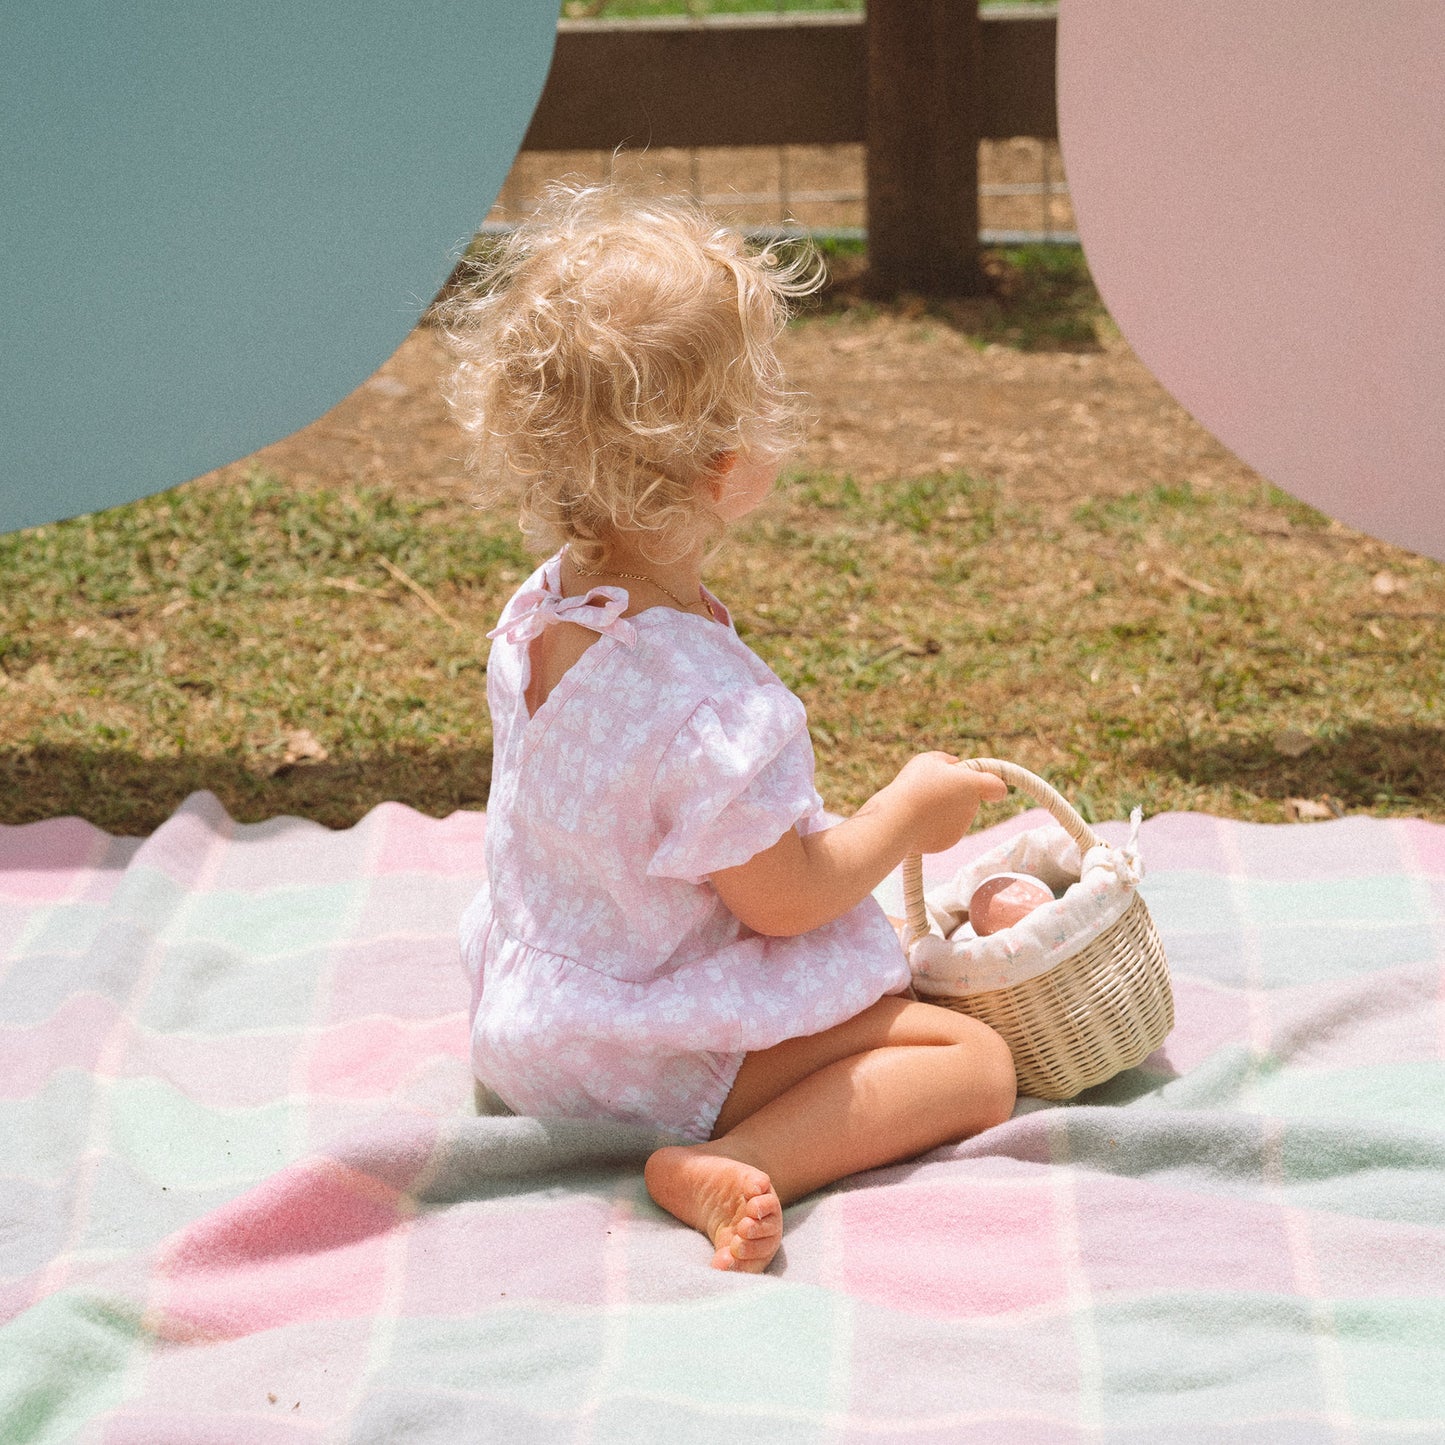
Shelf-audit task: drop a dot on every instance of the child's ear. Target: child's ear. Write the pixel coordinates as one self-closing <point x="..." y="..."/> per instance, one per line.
<point x="717" y="473"/>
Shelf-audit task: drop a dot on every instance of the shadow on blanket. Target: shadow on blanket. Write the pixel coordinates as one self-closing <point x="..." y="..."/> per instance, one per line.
<point x="245" y="1196"/>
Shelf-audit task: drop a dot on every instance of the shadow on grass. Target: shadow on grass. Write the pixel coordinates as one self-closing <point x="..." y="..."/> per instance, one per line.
<point x="1398" y="768"/>
<point x="122" y="792"/>
<point x="1036" y="298"/>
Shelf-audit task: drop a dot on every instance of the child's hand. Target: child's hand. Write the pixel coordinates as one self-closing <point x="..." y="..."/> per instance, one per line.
<point x="939" y="798"/>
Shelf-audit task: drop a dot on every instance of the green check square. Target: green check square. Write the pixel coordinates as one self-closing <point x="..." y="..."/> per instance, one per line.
<point x="761" y="1347"/>
<point x="1393" y="1351"/>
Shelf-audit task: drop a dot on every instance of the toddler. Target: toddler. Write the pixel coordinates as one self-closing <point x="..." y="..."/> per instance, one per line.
<point x="671" y="933"/>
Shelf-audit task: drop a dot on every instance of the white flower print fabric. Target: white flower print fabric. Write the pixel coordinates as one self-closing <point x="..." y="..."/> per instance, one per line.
<point x="608" y="978"/>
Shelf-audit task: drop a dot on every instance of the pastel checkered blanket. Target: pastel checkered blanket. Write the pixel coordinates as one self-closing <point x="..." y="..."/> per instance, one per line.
<point x="243" y="1197"/>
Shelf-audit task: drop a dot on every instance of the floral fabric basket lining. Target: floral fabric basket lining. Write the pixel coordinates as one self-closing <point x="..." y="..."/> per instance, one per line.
<point x="1079" y="988"/>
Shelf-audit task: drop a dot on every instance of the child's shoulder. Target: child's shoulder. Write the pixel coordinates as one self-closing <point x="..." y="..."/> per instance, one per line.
<point x="709" y="655"/>
<point x="716" y="702"/>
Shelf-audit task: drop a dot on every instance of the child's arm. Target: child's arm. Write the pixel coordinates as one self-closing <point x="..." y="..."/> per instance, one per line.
<point x="801" y="883"/>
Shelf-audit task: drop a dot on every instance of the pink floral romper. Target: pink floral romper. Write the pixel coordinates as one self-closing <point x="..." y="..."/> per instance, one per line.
<point x="609" y="980"/>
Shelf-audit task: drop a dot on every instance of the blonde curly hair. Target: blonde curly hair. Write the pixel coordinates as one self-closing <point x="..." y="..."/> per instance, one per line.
<point x="611" y="352"/>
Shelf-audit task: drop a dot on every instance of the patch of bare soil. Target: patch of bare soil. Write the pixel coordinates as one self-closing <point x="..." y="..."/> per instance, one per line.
<point x="894" y="392"/>
<point x="890" y="396"/>
<point x="900" y="397"/>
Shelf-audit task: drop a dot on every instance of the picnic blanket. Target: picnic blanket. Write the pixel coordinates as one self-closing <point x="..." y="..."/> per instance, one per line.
<point x="244" y="1196"/>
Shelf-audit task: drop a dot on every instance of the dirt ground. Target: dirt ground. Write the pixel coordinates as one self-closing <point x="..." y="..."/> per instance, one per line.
<point x="890" y="396"/>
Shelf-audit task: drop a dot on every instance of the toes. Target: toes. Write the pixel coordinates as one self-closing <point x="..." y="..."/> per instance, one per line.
<point x="752" y="1240"/>
<point x="749" y="1256"/>
<point x="753" y="1248"/>
<point x="765" y="1228"/>
<point x="763" y="1206"/>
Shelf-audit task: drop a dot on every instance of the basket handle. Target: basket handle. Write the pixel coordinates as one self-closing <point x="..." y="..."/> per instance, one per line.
<point x="1025" y="782"/>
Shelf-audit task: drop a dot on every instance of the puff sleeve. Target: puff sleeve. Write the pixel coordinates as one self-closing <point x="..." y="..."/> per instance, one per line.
<point x="737" y="775"/>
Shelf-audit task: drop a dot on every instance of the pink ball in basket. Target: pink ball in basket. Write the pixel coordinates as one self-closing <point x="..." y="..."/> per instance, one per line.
<point x="1000" y="901"/>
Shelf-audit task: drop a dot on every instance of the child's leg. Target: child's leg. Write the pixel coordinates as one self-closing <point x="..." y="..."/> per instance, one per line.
<point x="899" y="1079"/>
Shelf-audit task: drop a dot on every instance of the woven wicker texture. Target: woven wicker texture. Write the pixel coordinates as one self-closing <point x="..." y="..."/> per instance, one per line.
<point x="1101" y="1011"/>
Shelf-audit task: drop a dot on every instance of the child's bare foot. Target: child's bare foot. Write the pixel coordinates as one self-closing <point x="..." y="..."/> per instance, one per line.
<point x="730" y="1202"/>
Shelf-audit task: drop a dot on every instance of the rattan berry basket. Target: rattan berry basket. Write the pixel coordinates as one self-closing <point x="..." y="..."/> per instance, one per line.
<point x="1100" y="1011"/>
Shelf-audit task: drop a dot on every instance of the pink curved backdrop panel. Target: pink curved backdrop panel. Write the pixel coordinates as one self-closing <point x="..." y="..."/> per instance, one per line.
<point x="1260" y="191"/>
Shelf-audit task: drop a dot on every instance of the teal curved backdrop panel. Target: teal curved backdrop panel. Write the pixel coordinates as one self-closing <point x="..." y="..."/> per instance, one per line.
<point x="218" y="219"/>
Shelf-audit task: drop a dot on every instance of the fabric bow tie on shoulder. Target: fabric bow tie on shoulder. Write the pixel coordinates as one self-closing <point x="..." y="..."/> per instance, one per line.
<point x="600" y="610"/>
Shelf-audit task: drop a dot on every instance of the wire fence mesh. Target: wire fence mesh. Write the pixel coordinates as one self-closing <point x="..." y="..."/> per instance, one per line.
<point x="1023" y="195"/>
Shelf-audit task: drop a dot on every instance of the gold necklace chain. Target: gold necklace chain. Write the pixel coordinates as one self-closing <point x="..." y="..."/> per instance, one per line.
<point x="638" y="577"/>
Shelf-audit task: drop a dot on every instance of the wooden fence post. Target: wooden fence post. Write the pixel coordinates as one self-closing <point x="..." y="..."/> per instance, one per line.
<point x="923" y="130"/>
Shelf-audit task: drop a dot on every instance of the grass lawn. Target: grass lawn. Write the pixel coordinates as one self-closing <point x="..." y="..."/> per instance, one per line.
<point x="1175" y="647"/>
